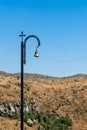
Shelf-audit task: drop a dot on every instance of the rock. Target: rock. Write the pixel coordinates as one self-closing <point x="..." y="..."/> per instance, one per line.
<point x="8" y="109"/>
<point x="40" y="128"/>
<point x="12" y="109"/>
<point x="55" y="114"/>
<point x="27" y="109"/>
<point x="30" y="122"/>
<point x="68" y="102"/>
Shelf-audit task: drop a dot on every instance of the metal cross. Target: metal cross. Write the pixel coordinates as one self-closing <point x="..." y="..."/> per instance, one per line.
<point x="22" y="35"/>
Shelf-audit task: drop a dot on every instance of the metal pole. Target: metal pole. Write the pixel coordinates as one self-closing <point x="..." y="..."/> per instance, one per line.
<point x="22" y="80"/>
<point x="22" y="85"/>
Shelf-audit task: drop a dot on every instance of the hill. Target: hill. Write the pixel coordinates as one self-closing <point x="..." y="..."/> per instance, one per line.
<point x="67" y="96"/>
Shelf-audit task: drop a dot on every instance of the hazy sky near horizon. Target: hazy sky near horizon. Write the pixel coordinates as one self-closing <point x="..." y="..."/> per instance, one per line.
<point x="61" y="26"/>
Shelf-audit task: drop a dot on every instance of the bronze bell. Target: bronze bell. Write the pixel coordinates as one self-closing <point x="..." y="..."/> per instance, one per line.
<point x="36" y="53"/>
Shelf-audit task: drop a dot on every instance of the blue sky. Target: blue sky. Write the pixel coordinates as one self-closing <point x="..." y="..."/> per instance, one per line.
<point x="61" y="26"/>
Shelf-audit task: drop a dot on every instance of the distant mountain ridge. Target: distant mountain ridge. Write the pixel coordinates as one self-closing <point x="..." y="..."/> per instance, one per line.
<point x="5" y="73"/>
<point x="39" y="75"/>
<point x="25" y="74"/>
<point x="77" y="75"/>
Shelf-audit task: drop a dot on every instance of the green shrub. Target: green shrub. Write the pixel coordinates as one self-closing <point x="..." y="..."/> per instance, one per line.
<point x="16" y="116"/>
<point x="63" y="123"/>
<point x="26" y="117"/>
<point x="48" y="122"/>
<point x="40" y="117"/>
<point x="65" y="120"/>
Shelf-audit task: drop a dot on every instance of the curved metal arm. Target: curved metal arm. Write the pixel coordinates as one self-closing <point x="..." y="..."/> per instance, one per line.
<point x="32" y="36"/>
<point x="24" y="45"/>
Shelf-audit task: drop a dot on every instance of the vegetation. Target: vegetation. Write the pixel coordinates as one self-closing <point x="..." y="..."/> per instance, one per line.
<point x="47" y="121"/>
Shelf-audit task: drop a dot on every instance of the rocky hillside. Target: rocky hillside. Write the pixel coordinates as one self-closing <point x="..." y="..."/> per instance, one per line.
<point x="64" y="96"/>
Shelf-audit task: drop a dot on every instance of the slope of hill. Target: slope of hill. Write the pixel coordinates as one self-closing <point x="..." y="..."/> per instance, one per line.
<point x="67" y="96"/>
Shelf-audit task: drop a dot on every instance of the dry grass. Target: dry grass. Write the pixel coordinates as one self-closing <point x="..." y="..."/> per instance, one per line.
<point x="64" y="95"/>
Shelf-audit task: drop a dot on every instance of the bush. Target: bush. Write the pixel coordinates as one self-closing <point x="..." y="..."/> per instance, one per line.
<point x="65" y="120"/>
<point x="48" y="122"/>
<point x="16" y="116"/>
<point x="63" y="123"/>
<point x="40" y="117"/>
